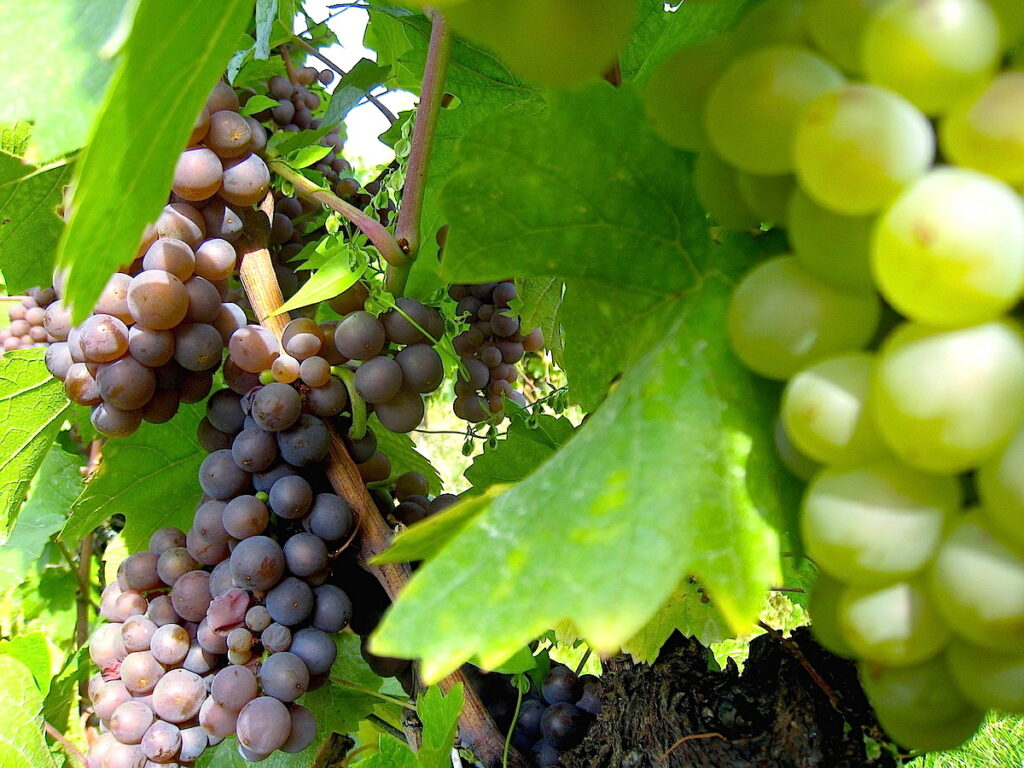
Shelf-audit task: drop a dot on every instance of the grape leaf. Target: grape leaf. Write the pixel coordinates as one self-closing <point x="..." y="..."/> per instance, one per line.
<point x="22" y="743"/>
<point x="683" y="611"/>
<point x="29" y="225"/>
<point x="440" y="717"/>
<point x="392" y="754"/>
<point x="150" y="477"/>
<point x="675" y="473"/>
<point x="31" y="404"/>
<point x="67" y="43"/>
<point x="32" y="650"/>
<point x="662" y="28"/>
<point x="427" y="537"/>
<point x="341" y="265"/>
<point x="527" y="444"/>
<point x="266" y="14"/>
<point x="537" y="305"/>
<point x="50" y="496"/>
<point x="124" y="174"/>
<point x="404" y="456"/>
<point x="360" y="80"/>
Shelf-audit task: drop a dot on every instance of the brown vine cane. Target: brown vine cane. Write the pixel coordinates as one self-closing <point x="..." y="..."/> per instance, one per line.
<point x="260" y="282"/>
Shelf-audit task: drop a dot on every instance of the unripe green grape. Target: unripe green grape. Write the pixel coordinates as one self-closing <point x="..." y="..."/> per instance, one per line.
<point x="989" y="679"/>
<point x="718" y="192"/>
<point x="826" y="412"/>
<point x="835" y="249"/>
<point x="857" y="147"/>
<point x="837" y="28"/>
<point x="932" y="736"/>
<point x="678" y="89"/>
<point x="895" y="624"/>
<point x="556" y="43"/>
<point x="919" y="706"/>
<point x="801" y="466"/>
<point x="978" y="584"/>
<point x="950" y="250"/>
<point x="1000" y="482"/>
<point x="931" y="51"/>
<point x="782" y="319"/>
<point x="877" y="523"/>
<point x="1010" y="14"/>
<point x="767" y="196"/>
<point x="772" y="22"/>
<point x="754" y="107"/>
<point x="947" y="400"/>
<point x="986" y="131"/>
<point x="921" y="693"/>
<point x="823" y="605"/>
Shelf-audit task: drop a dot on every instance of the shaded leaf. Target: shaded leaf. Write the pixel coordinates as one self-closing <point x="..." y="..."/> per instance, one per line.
<point x="428" y="537"/>
<point x="124" y="174"/>
<point x="29" y="225"/>
<point x="440" y="717"/>
<point x="150" y="477"/>
<point x="31" y="405"/>
<point x="528" y="443"/>
<point x="404" y="456"/>
<point x="266" y="14"/>
<point x="683" y="611"/>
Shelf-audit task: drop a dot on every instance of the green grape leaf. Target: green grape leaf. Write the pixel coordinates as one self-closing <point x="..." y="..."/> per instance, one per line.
<point x="257" y="103"/>
<point x="484" y="87"/>
<point x="149" y="477"/>
<point x="675" y="473"/>
<point x="124" y="174"/>
<point x="537" y="305"/>
<point x="404" y="456"/>
<point x="14" y="138"/>
<point x="55" y="56"/>
<point x="527" y="444"/>
<point x="50" y="496"/>
<point x="391" y="754"/>
<point x="683" y="611"/>
<point x="307" y="156"/>
<point x="339" y="266"/>
<point x="364" y="76"/>
<point x="23" y="743"/>
<point x="266" y="14"/>
<point x="29" y="224"/>
<point x="440" y="717"/>
<point x="32" y="650"/>
<point x="31" y="405"/>
<point x="286" y="142"/>
<point x="663" y="28"/>
<point x="428" y="537"/>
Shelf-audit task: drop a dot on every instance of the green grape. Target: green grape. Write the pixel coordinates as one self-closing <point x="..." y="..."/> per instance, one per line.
<point x="931" y="51"/>
<point x="717" y="190"/>
<point x="930" y="736"/>
<point x="876" y="523"/>
<point x="896" y="624"/>
<point x="754" y="107"/>
<point x="989" y="679"/>
<point x="801" y="466"/>
<point x="556" y="43"/>
<point x="986" y="131"/>
<point x="835" y="249"/>
<point x="947" y="400"/>
<point x="1000" y="482"/>
<point x="823" y="605"/>
<point x="826" y="412"/>
<point x="857" y="147"/>
<point x="920" y="693"/>
<point x="767" y="196"/>
<point x="978" y="584"/>
<point x="837" y="28"/>
<point x="772" y="22"/>
<point x="1010" y="14"/>
<point x="678" y="89"/>
<point x="919" y="706"/>
<point x="950" y="250"/>
<point x="781" y="319"/>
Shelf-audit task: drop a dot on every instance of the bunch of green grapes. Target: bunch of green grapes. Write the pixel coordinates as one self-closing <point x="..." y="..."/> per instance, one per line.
<point x="892" y="320"/>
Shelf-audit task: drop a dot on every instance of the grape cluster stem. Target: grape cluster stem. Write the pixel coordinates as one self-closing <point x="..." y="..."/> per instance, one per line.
<point x="260" y="282"/>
